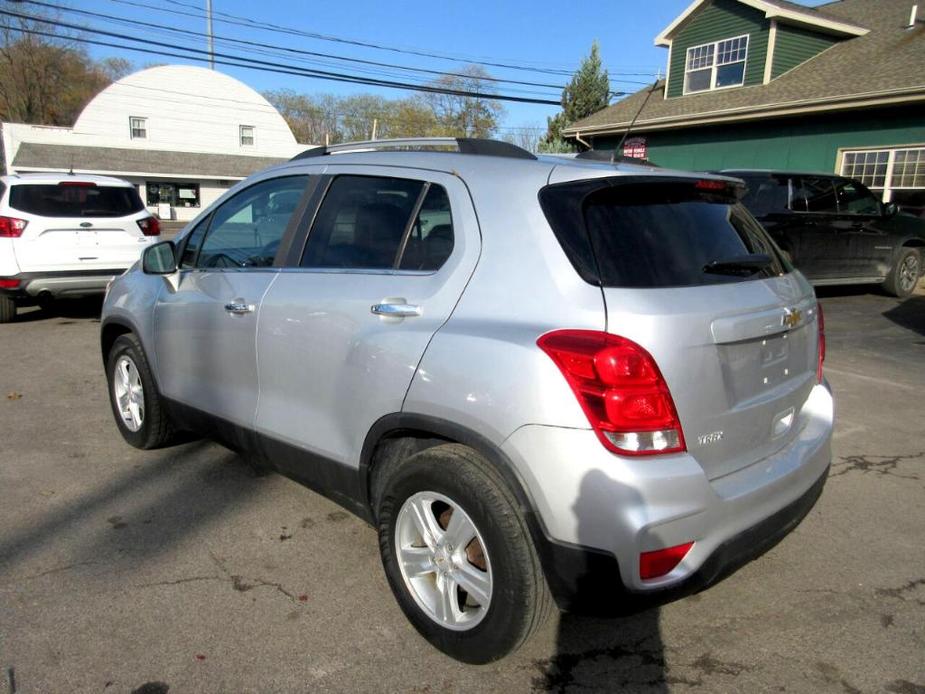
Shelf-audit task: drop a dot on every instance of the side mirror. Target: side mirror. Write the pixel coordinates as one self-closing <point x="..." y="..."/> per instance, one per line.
<point x="890" y="210"/>
<point x="160" y="259"/>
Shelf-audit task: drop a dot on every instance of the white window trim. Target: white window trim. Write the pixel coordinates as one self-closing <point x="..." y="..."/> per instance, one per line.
<point x="132" y="128"/>
<point x="241" y="135"/>
<point x="887" y="188"/>
<point x="713" y="69"/>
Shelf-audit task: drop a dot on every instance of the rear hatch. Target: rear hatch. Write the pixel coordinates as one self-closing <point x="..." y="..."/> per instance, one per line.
<point x="689" y="275"/>
<point x="77" y="225"/>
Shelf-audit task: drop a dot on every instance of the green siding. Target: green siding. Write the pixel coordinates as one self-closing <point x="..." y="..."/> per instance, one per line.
<point x="810" y="143"/>
<point x="794" y="46"/>
<point x="720" y="19"/>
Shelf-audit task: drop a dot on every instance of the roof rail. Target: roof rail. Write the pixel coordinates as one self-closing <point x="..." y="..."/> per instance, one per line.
<point x="461" y="145"/>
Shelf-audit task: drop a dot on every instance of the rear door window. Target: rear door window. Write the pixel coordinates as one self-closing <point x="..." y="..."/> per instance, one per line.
<point x="656" y="234"/>
<point x="766" y="196"/>
<point x="815" y="194"/>
<point x="77" y="199"/>
<point x="381" y="223"/>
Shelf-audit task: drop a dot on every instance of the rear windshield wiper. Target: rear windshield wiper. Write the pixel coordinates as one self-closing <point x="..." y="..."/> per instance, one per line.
<point x="738" y="265"/>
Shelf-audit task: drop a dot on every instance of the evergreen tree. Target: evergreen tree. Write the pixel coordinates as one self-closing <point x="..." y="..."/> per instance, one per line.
<point x="586" y="93"/>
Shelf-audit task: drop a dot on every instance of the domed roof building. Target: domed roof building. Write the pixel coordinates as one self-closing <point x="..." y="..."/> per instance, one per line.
<point x="181" y="134"/>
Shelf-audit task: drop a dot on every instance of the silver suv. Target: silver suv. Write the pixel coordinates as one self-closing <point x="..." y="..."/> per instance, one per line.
<point x="545" y="381"/>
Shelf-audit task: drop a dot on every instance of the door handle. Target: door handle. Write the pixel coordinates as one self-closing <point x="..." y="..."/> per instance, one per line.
<point x="395" y="310"/>
<point x="239" y="307"/>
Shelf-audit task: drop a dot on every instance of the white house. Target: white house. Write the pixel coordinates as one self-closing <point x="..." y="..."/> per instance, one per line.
<point x="181" y="134"/>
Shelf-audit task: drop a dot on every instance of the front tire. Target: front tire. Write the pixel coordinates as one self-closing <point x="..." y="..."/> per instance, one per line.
<point x="7" y="309"/>
<point x="458" y="555"/>
<point x="905" y="274"/>
<point x="136" y="404"/>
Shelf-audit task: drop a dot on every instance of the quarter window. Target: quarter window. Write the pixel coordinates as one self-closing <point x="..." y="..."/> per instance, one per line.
<point x="897" y="175"/>
<point x="247" y="229"/>
<point x="716" y="65"/>
<point x="375" y="223"/>
<point x="247" y="135"/>
<point x="138" y="128"/>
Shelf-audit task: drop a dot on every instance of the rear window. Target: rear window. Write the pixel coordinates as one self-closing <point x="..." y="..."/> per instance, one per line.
<point x="662" y="233"/>
<point x="70" y="200"/>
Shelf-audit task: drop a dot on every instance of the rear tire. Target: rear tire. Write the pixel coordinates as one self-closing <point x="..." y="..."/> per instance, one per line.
<point x="7" y="309"/>
<point x="905" y="274"/>
<point x="136" y="403"/>
<point x="495" y="594"/>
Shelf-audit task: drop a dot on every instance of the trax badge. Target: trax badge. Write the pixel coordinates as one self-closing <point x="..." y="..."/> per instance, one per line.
<point x="712" y="437"/>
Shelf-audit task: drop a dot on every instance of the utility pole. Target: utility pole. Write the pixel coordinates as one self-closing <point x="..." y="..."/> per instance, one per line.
<point x="375" y="128"/>
<point x="209" y="32"/>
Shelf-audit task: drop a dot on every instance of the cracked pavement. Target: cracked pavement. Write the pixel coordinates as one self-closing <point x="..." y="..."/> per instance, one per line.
<point x="187" y="570"/>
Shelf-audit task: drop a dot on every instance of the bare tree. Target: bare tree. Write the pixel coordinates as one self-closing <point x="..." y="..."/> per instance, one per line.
<point x="465" y="116"/>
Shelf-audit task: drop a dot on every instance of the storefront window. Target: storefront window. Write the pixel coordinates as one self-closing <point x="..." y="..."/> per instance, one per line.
<point x="174" y="194"/>
<point x="898" y="175"/>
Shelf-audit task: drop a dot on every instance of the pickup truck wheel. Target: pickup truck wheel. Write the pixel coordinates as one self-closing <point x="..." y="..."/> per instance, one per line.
<point x="136" y="404"/>
<point x="7" y="309"/>
<point x="458" y="555"/>
<point x="905" y="274"/>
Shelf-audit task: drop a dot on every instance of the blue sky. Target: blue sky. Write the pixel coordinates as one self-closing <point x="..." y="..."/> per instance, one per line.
<point x="542" y="34"/>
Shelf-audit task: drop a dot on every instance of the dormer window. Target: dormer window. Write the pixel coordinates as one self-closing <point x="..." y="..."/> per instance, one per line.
<point x="246" y="134"/>
<point x="138" y="128"/>
<point x="717" y="65"/>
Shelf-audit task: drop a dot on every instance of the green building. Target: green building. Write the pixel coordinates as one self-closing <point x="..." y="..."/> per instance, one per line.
<point x="776" y="85"/>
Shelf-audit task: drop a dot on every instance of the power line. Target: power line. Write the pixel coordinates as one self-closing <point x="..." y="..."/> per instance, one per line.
<point x="266" y="66"/>
<point x="286" y="49"/>
<point x="265" y="26"/>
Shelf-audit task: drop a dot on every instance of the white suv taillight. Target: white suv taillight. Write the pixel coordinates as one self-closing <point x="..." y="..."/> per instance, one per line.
<point x="620" y="389"/>
<point x="150" y="226"/>
<point x="12" y="228"/>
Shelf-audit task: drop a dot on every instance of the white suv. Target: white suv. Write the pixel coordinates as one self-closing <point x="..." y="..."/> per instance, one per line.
<point x="67" y="235"/>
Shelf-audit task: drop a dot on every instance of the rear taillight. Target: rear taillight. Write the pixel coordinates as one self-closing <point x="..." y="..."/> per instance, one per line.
<point x="662" y="561"/>
<point x="150" y="226"/>
<point x="7" y="283"/>
<point x="12" y="228"/>
<point x="620" y="389"/>
<point x="820" y="322"/>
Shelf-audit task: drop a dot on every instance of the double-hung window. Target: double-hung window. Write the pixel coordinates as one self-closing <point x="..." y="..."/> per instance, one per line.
<point x="247" y="135"/>
<point x="716" y="65"/>
<point x="138" y="127"/>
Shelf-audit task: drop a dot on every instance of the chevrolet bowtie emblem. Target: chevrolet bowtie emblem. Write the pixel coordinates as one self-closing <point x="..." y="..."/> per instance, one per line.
<point x="792" y="317"/>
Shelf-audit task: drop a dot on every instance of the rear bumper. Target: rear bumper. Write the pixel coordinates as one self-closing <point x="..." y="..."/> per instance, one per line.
<point x="64" y="283"/>
<point x="599" y="511"/>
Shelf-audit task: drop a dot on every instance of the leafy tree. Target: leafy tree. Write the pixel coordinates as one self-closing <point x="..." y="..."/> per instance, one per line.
<point x="465" y="116"/>
<point x="48" y="81"/>
<point x="586" y="93"/>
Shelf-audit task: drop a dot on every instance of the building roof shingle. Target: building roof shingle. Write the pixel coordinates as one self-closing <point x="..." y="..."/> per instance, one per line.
<point x="118" y="160"/>
<point x="889" y="60"/>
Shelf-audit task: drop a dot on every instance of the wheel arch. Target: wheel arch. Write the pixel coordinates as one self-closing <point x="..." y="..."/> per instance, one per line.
<point x="111" y="331"/>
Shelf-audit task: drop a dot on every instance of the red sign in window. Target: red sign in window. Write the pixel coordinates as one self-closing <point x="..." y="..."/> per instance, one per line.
<point x="635" y="147"/>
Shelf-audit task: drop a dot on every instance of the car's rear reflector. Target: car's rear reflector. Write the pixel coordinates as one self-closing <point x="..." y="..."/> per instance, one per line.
<point x="662" y="561"/>
<point x="150" y="226"/>
<point x="620" y="389"/>
<point x="11" y="227"/>
<point x="820" y="321"/>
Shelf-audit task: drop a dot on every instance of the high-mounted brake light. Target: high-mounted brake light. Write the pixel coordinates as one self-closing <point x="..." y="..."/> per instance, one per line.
<point x="150" y="226"/>
<point x="77" y="184"/>
<point x="820" y="322"/>
<point x="12" y="228"/>
<point x="620" y="389"/>
<point x="707" y="184"/>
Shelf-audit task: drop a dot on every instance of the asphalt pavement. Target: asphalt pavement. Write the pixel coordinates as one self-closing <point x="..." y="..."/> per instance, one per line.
<point x="185" y="570"/>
